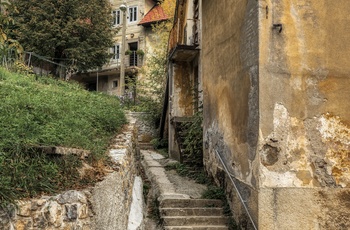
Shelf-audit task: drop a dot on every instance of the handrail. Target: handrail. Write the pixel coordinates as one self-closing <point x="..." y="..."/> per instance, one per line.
<point x="238" y="193"/>
<point x="132" y="59"/>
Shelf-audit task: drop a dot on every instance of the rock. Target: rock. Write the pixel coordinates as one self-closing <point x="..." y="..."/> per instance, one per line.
<point x="39" y="221"/>
<point x="86" y="227"/>
<point x="24" y="224"/>
<point x="40" y="202"/>
<point x="71" y="212"/>
<point x="71" y="196"/>
<point x="4" y="221"/>
<point x="24" y="208"/>
<point x="53" y="213"/>
<point x="83" y="211"/>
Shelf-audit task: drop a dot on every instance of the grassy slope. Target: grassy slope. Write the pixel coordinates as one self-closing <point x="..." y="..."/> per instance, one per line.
<point x="46" y="111"/>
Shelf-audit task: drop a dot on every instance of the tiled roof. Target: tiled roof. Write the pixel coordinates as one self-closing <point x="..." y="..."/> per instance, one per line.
<point x="156" y="14"/>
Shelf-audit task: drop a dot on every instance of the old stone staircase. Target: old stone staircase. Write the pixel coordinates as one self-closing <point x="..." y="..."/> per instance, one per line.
<point x="179" y="208"/>
<point x="199" y="214"/>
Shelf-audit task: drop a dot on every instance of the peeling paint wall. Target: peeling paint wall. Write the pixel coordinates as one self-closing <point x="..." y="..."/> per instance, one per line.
<point x="230" y="88"/>
<point x="277" y="108"/>
<point x="305" y="112"/>
<point x="182" y="100"/>
<point x="304" y="103"/>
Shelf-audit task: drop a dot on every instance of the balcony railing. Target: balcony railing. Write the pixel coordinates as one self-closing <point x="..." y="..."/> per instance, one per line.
<point x="179" y="35"/>
<point x="175" y="36"/>
<point x="131" y="60"/>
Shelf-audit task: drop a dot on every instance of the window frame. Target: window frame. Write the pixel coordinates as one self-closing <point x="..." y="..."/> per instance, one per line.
<point x="117" y="17"/>
<point x="133" y="14"/>
<point x="116" y="52"/>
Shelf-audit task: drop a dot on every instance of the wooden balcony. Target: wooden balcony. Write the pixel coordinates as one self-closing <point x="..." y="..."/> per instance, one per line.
<point x="180" y="47"/>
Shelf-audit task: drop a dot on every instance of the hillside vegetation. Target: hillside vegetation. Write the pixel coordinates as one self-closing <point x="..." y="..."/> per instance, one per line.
<point x="37" y="111"/>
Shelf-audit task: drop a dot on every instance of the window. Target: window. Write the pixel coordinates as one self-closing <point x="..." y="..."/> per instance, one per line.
<point x="116" y="52"/>
<point x="133" y="14"/>
<point x="116" y="17"/>
<point x="115" y="84"/>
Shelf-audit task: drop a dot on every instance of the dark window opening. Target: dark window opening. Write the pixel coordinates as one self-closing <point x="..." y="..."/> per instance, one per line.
<point x="133" y="46"/>
<point x="91" y="86"/>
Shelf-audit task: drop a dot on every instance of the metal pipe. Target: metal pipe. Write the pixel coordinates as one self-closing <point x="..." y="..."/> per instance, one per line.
<point x="122" y="62"/>
<point x="238" y="193"/>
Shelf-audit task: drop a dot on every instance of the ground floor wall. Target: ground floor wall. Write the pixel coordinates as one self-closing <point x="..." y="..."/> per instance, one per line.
<point x="283" y="207"/>
<point x="304" y="208"/>
<point x="238" y="193"/>
<point x="184" y="87"/>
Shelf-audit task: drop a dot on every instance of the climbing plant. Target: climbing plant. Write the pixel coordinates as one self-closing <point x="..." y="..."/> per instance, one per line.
<point x="193" y="140"/>
<point x="150" y="90"/>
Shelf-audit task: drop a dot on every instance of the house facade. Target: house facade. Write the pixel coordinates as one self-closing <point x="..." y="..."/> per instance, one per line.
<point x="184" y="83"/>
<point x="137" y="46"/>
<point x="275" y="82"/>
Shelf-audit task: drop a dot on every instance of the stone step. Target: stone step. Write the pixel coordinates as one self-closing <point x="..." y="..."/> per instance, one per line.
<point x="146" y="146"/>
<point x="216" y="227"/>
<point x="191" y="211"/>
<point x="190" y="203"/>
<point x="194" y="220"/>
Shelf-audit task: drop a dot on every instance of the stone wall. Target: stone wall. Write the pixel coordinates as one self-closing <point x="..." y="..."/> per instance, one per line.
<point x="145" y="133"/>
<point x="105" y="206"/>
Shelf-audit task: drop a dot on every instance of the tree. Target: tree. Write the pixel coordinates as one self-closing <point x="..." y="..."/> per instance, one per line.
<point x="150" y="92"/>
<point x="75" y="33"/>
<point x="10" y="49"/>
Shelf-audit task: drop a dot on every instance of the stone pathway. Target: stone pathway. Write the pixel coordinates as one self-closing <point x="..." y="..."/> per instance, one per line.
<point x="179" y="197"/>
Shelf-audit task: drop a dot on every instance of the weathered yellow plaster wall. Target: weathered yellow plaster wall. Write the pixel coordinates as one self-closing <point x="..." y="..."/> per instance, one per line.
<point x="228" y="79"/>
<point x="182" y="99"/>
<point x="289" y="85"/>
<point x="304" y="101"/>
<point x="280" y="208"/>
<point x="305" y="114"/>
<point x="230" y="95"/>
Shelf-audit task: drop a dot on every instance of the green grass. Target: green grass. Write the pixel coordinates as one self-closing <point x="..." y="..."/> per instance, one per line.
<point x="45" y="111"/>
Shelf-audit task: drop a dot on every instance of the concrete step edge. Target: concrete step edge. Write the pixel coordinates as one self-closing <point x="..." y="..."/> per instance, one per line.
<point x="196" y="227"/>
<point x="194" y="203"/>
<point x="200" y="211"/>
<point x="210" y="217"/>
<point x="194" y="220"/>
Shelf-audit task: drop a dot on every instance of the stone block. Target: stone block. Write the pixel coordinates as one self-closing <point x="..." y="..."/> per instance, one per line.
<point x="4" y="220"/>
<point x="40" y="202"/>
<point x="53" y="213"/>
<point x="24" y="208"/>
<point x="71" y="212"/>
<point x="24" y="224"/>
<point x="71" y="196"/>
<point x="39" y="221"/>
<point x="83" y="211"/>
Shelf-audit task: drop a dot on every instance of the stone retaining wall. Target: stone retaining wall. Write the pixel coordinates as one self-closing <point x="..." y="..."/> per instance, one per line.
<point x="145" y="132"/>
<point x="105" y="206"/>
